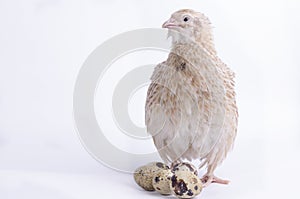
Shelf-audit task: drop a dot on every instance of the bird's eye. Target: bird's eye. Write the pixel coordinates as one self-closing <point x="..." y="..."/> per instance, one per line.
<point x="186" y="19"/>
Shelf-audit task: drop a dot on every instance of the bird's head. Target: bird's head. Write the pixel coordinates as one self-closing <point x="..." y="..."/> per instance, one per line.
<point x="189" y="25"/>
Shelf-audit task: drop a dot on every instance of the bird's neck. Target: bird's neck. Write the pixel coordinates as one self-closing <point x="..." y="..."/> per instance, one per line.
<point x="186" y="46"/>
<point x="191" y="52"/>
<point x="184" y="52"/>
<point x="203" y="39"/>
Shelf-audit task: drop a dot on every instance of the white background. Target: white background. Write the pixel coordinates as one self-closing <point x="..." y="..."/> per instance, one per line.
<point x="43" y="44"/>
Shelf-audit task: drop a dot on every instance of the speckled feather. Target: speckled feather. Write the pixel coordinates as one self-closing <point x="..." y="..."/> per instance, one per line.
<point x="191" y="109"/>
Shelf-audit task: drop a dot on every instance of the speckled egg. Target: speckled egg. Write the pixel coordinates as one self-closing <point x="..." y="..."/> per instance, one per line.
<point x="144" y="175"/>
<point x="185" y="184"/>
<point x="161" y="181"/>
<point x="184" y="166"/>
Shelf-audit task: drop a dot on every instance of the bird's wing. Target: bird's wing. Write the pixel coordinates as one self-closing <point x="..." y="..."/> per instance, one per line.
<point x="154" y="115"/>
<point x="219" y="110"/>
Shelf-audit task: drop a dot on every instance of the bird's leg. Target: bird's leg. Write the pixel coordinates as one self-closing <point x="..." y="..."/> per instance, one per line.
<point x="209" y="178"/>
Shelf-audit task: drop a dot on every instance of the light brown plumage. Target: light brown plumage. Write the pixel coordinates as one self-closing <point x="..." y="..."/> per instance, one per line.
<point x="191" y="109"/>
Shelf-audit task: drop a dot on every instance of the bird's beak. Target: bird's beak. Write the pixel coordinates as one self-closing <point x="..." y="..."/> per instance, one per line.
<point x="169" y="24"/>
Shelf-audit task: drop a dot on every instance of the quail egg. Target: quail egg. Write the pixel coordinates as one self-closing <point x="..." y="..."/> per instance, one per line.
<point x="184" y="166"/>
<point x="144" y="175"/>
<point x="184" y="184"/>
<point x="161" y="182"/>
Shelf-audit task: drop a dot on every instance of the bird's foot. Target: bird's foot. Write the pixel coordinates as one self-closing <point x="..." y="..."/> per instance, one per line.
<point x="208" y="179"/>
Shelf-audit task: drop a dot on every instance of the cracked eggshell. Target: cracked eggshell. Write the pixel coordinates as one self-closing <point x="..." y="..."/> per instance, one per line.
<point x="184" y="166"/>
<point x="161" y="182"/>
<point x="184" y="184"/>
<point x="144" y="175"/>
